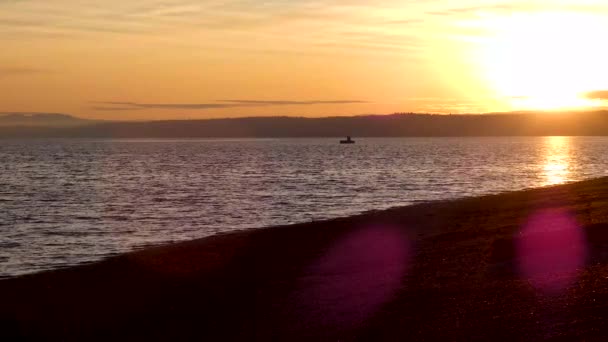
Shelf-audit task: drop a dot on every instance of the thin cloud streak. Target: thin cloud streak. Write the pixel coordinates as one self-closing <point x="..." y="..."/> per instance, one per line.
<point x="127" y="106"/>
<point x="241" y="20"/>
<point x="29" y="113"/>
<point x="113" y="109"/>
<point x="279" y="103"/>
<point x="135" y="105"/>
<point x="17" y="71"/>
<point x="517" y="6"/>
<point x="404" y="22"/>
<point x="481" y="8"/>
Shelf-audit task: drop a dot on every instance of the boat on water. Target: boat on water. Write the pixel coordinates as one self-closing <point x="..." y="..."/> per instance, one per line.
<point x="347" y="141"/>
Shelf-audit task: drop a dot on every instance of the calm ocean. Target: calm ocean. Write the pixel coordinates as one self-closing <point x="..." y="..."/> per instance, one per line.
<point x="65" y="202"/>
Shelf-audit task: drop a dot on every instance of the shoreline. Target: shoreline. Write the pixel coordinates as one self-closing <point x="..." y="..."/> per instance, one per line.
<point x="354" y="216"/>
<point x="444" y="269"/>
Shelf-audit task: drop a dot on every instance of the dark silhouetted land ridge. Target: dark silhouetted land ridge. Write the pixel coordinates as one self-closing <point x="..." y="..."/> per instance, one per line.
<point x="41" y="120"/>
<point x="396" y="125"/>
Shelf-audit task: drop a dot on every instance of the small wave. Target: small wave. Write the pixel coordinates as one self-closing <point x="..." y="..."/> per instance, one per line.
<point x="10" y="244"/>
<point x="117" y="218"/>
<point x="69" y="233"/>
<point x="87" y="218"/>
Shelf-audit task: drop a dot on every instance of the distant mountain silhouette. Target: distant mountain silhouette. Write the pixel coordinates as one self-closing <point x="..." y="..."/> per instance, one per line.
<point x="396" y="125"/>
<point x="41" y="119"/>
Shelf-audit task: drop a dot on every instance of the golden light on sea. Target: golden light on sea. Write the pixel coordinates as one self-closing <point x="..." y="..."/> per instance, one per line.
<point x="556" y="167"/>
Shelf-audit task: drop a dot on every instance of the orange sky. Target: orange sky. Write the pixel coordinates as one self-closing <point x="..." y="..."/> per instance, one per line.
<point x="135" y="60"/>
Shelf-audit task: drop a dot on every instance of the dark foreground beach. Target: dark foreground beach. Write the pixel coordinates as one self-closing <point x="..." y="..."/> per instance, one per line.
<point x="526" y="265"/>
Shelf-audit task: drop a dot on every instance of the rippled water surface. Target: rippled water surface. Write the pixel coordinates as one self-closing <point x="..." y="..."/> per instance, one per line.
<point x="64" y="202"/>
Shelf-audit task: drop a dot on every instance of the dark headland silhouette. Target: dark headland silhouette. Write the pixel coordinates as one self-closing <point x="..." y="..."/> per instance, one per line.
<point x="42" y="120"/>
<point x="395" y="125"/>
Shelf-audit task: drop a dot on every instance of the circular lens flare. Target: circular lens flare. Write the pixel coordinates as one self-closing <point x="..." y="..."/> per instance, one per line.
<point x="551" y="248"/>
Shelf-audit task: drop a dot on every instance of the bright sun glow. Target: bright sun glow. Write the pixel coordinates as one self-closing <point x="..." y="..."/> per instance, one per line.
<point x="545" y="60"/>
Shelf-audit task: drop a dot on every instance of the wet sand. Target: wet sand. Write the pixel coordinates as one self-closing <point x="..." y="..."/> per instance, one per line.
<point x="525" y="265"/>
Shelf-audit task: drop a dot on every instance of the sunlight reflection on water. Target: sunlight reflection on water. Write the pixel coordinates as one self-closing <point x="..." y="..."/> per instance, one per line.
<point x="557" y="160"/>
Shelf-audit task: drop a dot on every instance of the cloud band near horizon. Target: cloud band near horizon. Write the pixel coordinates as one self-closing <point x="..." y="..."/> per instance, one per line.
<point x="127" y="106"/>
<point x="597" y="95"/>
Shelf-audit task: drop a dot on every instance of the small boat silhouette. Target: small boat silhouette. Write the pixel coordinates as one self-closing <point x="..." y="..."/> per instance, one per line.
<point x="347" y="141"/>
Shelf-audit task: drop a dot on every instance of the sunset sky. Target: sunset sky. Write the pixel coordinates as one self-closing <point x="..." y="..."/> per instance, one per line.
<point x="133" y="60"/>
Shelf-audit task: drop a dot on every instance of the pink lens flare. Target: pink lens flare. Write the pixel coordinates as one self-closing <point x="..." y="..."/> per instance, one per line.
<point x="551" y="247"/>
<point x="354" y="278"/>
